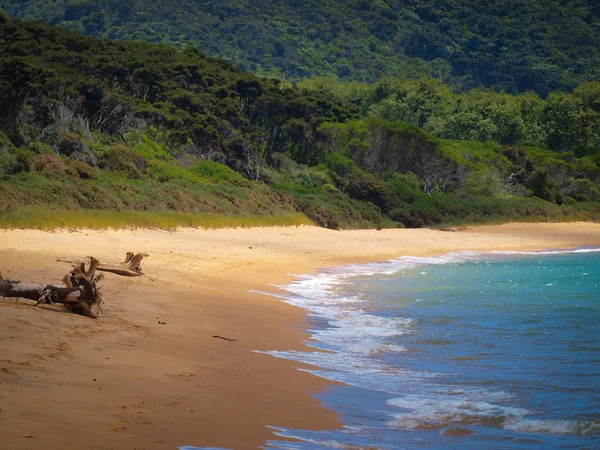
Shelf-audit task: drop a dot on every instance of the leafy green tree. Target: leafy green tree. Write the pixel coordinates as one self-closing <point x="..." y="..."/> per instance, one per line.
<point x="544" y="186"/>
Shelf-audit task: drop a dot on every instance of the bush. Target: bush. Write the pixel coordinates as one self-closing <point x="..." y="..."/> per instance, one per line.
<point x="49" y="164"/>
<point x="314" y="178"/>
<point x="40" y="148"/>
<point x="341" y="165"/>
<point x="15" y="160"/>
<point x="403" y="187"/>
<point x="486" y="183"/>
<point x="337" y="211"/>
<point x="214" y="171"/>
<point x="120" y="158"/>
<point x="367" y="187"/>
<point x="165" y="171"/>
<point x="80" y="169"/>
<point x="586" y="190"/>
<point x="284" y="163"/>
<point x="544" y="186"/>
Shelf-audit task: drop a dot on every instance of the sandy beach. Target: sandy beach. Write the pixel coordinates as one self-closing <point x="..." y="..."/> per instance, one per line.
<point x="149" y="373"/>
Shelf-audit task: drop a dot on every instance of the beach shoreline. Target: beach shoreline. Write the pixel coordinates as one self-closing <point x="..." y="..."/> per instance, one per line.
<point x="128" y="381"/>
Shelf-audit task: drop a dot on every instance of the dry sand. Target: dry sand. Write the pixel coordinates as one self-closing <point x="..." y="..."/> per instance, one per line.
<point x="126" y="381"/>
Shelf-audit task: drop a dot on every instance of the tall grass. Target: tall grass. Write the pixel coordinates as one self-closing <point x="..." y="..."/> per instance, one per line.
<point x="49" y="219"/>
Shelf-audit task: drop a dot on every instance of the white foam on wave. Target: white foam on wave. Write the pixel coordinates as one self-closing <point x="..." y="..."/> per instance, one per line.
<point x="373" y="347"/>
<point x="190" y="447"/>
<point x="547" y="252"/>
<point x="286" y="433"/>
<point x="477" y="407"/>
<point x="351" y="326"/>
<point x="356" y="369"/>
<point x="358" y="338"/>
<point x="552" y="426"/>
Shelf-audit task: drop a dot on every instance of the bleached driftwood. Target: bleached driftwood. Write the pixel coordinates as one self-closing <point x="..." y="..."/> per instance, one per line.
<point x="16" y="289"/>
<point x="131" y="266"/>
<point x="80" y="293"/>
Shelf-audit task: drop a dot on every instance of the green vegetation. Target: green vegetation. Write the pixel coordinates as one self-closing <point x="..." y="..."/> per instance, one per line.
<point x="135" y="133"/>
<point x="562" y="122"/>
<point x="512" y="45"/>
<point x="48" y="219"/>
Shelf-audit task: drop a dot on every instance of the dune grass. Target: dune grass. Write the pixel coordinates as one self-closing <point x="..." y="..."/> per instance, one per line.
<point x="49" y="219"/>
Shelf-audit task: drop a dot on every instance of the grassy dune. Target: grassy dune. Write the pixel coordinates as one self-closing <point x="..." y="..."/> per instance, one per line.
<point x="48" y="219"/>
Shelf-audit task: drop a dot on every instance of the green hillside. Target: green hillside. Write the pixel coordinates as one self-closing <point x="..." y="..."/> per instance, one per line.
<point x="94" y="124"/>
<point x="512" y="45"/>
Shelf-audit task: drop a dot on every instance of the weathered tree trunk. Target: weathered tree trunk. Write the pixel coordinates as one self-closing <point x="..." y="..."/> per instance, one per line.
<point x="81" y="294"/>
<point x="16" y="289"/>
<point x="74" y="298"/>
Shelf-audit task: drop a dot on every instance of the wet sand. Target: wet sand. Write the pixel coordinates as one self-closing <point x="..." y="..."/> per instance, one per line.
<point x="127" y="381"/>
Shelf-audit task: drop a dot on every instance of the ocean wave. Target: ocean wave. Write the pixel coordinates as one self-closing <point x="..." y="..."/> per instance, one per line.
<point x="552" y="426"/>
<point x="360" y="341"/>
<point x="188" y="447"/>
<point x="436" y="411"/>
<point x="547" y="252"/>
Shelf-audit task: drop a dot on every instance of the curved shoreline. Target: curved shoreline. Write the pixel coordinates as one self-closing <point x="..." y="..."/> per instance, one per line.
<point x="128" y="381"/>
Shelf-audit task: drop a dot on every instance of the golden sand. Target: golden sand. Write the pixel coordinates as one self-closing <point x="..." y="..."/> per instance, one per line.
<point x="128" y="381"/>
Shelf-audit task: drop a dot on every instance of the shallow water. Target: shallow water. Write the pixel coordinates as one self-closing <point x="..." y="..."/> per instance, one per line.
<point x="468" y="350"/>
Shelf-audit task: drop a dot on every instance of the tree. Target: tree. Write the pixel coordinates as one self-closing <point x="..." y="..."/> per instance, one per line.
<point x="544" y="186"/>
<point x="17" y="82"/>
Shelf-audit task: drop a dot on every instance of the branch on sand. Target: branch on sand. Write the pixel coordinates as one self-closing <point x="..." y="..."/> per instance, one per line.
<point x="80" y="293"/>
<point x="131" y="267"/>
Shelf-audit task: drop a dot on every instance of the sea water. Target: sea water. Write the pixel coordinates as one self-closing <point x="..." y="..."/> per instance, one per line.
<point x="467" y="350"/>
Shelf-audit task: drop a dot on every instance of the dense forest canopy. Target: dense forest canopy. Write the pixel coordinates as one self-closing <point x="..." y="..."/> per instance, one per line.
<point x="129" y="125"/>
<point x="511" y="45"/>
<point x="561" y="122"/>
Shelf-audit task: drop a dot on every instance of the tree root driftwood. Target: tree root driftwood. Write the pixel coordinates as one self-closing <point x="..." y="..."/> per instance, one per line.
<point x="80" y="294"/>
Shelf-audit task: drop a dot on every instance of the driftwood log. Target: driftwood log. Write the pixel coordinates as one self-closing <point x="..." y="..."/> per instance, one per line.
<point x="131" y="267"/>
<point x="13" y="288"/>
<point x="80" y="293"/>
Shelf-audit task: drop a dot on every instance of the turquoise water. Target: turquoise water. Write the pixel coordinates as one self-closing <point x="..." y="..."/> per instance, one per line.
<point x="467" y="350"/>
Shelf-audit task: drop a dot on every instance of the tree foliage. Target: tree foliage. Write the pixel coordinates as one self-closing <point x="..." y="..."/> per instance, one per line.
<point x="53" y="81"/>
<point x="88" y="122"/>
<point x="562" y="122"/>
<point x="512" y="45"/>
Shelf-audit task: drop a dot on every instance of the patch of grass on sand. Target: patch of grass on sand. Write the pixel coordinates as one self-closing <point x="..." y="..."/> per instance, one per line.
<point x="49" y="219"/>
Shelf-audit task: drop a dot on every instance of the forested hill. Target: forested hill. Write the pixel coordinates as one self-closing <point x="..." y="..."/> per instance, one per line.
<point x="512" y="45"/>
<point x="89" y="123"/>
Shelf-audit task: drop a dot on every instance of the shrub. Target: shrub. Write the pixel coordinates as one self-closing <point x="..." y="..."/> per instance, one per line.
<point x="120" y="158"/>
<point x="80" y="169"/>
<point x="586" y="190"/>
<point x="403" y="187"/>
<point x="16" y="160"/>
<point x="284" y="163"/>
<point x="168" y="171"/>
<point x="214" y="171"/>
<point x="341" y="165"/>
<point x="544" y="186"/>
<point x="487" y="183"/>
<point x="367" y="187"/>
<point x="40" y="148"/>
<point x="49" y="164"/>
